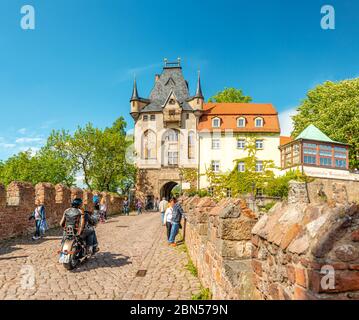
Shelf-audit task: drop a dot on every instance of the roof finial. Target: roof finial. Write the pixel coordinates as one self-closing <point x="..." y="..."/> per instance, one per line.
<point x="199" y="93"/>
<point x="134" y="91"/>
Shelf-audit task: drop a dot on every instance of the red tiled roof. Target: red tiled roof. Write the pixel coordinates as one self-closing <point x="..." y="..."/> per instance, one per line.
<point x="230" y="112"/>
<point x="284" y="140"/>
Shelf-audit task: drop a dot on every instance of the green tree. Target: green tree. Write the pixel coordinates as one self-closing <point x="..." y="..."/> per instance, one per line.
<point x="45" y="166"/>
<point x="333" y="107"/>
<point x="230" y="95"/>
<point x="99" y="154"/>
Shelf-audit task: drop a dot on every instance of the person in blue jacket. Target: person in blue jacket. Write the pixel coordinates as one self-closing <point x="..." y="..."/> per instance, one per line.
<point x="40" y="220"/>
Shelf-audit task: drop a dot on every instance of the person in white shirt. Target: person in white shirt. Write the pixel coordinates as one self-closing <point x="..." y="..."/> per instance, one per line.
<point x="168" y="219"/>
<point x="162" y="208"/>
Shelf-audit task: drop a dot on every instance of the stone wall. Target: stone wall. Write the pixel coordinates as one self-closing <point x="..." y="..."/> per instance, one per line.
<point x="322" y="190"/>
<point x="218" y="237"/>
<point x="18" y="201"/>
<point x="305" y="250"/>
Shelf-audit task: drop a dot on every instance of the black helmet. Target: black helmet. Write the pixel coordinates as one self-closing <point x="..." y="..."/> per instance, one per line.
<point x="76" y="203"/>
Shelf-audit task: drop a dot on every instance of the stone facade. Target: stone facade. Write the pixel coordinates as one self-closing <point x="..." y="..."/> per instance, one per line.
<point x="18" y="201"/>
<point x="165" y="132"/>
<point x="218" y="237"/>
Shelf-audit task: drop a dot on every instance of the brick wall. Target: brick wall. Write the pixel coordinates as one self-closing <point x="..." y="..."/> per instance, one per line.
<point x="218" y="237"/>
<point x="18" y="201"/>
<point x="307" y="250"/>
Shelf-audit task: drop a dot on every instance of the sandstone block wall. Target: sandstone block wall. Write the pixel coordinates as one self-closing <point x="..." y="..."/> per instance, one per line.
<point x="307" y="250"/>
<point x="322" y="190"/>
<point x="218" y="237"/>
<point x="18" y="201"/>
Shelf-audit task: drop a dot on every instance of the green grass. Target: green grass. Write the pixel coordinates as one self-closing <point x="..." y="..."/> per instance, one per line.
<point x="205" y="294"/>
<point x="192" y="268"/>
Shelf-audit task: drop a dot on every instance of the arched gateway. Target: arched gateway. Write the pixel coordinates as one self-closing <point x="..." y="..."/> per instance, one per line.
<point x="165" y="131"/>
<point x="167" y="188"/>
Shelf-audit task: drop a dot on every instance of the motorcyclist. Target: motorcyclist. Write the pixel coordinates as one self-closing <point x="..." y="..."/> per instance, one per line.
<point x="83" y="223"/>
<point x="74" y="217"/>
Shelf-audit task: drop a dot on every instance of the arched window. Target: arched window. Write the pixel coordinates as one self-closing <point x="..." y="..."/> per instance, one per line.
<point x="241" y="122"/>
<point x="216" y="122"/>
<point x="149" y="143"/>
<point x="258" y="122"/>
<point x="191" y="145"/>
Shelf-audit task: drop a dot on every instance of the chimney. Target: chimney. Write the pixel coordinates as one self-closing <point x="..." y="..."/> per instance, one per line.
<point x="157" y="77"/>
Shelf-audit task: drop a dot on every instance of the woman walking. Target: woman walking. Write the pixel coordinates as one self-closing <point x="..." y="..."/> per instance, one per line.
<point x="168" y="218"/>
<point x="103" y="209"/>
<point x="40" y="221"/>
<point x="126" y="206"/>
<point x="139" y="206"/>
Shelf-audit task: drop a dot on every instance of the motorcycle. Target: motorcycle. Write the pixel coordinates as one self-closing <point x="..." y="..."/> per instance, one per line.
<point x="73" y="251"/>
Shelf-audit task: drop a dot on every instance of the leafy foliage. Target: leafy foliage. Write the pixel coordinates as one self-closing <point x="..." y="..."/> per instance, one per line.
<point x="230" y="95"/>
<point x="99" y="154"/>
<point x="333" y="107"/>
<point x="279" y="186"/>
<point x="46" y="166"/>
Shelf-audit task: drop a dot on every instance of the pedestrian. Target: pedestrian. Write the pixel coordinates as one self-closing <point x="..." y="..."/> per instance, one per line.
<point x="177" y="215"/>
<point x="103" y="208"/>
<point x="157" y="204"/>
<point x="167" y="220"/>
<point x="96" y="199"/>
<point x="40" y="220"/>
<point x="139" y="207"/>
<point x="126" y="206"/>
<point x="162" y="208"/>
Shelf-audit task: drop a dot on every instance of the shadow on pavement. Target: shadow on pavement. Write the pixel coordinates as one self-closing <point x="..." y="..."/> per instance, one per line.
<point x="13" y="244"/>
<point x="104" y="260"/>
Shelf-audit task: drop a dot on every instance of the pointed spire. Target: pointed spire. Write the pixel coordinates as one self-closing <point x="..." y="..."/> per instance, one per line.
<point x="134" y="92"/>
<point x="199" y="93"/>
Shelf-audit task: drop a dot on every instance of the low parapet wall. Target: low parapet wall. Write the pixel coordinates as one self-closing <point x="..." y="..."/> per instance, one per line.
<point x="305" y="250"/>
<point x="218" y="237"/>
<point x="18" y="201"/>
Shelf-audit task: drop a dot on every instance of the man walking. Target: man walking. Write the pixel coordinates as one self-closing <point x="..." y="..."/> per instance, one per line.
<point x="162" y="208"/>
<point x="177" y="215"/>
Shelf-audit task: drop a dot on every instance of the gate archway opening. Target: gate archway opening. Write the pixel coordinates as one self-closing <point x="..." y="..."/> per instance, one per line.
<point x="167" y="189"/>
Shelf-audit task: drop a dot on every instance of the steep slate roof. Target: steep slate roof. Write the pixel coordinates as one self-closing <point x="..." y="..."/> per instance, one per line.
<point x="230" y="112"/>
<point x="170" y="79"/>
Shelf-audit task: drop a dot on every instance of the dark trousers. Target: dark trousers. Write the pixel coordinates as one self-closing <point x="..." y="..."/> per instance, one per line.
<point x="169" y="227"/>
<point x="37" y="225"/>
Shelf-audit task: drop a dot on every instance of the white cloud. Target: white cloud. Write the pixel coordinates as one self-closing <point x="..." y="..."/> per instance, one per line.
<point x="22" y="131"/>
<point x="286" y="122"/>
<point x="7" y="145"/>
<point x="29" y="140"/>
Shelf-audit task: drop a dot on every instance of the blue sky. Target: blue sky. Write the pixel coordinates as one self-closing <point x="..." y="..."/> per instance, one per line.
<point x="77" y="66"/>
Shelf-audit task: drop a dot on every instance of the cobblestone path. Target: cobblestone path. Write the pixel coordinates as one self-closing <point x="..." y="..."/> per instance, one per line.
<point x="127" y="244"/>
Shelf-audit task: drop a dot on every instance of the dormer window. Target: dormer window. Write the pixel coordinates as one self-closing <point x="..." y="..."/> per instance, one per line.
<point x="216" y="122"/>
<point x="241" y="122"/>
<point x="258" y="122"/>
